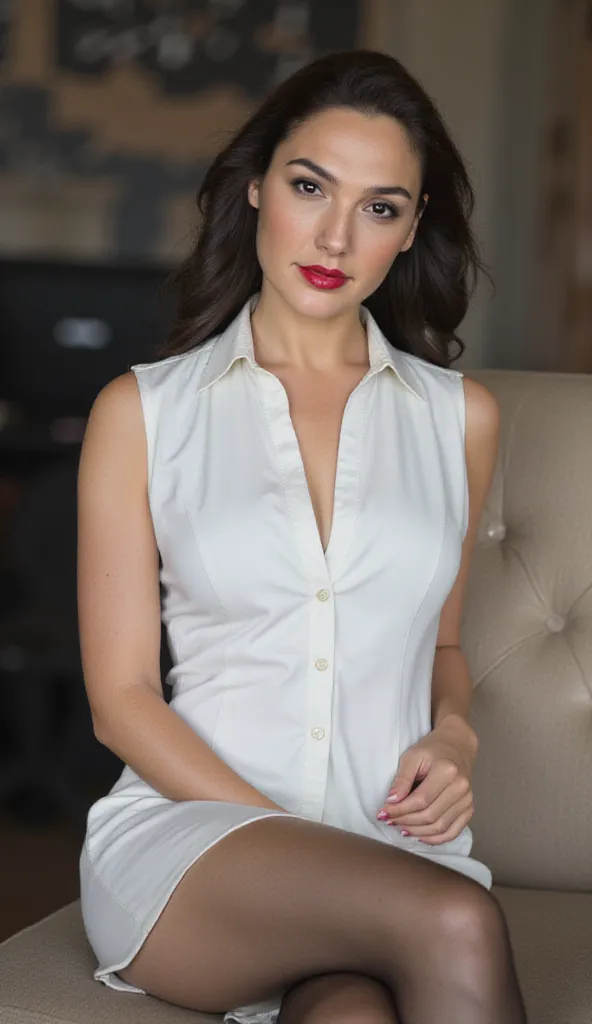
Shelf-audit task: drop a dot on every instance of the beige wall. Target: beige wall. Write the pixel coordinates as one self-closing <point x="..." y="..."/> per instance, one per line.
<point x="483" y="64"/>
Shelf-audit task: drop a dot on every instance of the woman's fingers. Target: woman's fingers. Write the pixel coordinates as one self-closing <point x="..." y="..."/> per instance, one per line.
<point x="430" y="823"/>
<point x="457" y="796"/>
<point x="451" y="833"/>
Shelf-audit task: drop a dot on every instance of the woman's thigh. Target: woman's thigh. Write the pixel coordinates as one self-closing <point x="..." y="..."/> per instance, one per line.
<point x="283" y="899"/>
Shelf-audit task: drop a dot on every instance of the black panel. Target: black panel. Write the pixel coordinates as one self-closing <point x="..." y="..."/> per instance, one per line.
<point x="68" y="329"/>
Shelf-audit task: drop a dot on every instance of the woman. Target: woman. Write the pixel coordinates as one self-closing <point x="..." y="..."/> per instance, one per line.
<point x="295" y="472"/>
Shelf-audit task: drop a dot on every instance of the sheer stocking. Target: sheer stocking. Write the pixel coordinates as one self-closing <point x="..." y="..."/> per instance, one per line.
<point x="282" y="901"/>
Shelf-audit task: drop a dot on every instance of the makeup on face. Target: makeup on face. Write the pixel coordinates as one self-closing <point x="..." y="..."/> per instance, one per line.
<point x="323" y="277"/>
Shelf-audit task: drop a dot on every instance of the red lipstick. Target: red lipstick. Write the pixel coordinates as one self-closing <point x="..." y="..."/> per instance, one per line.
<point x="323" y="277"/>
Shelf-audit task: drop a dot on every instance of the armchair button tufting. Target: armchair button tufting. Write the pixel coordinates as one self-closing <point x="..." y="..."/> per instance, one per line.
<point x="555" y="623"/>
<point x="497" y="531"/>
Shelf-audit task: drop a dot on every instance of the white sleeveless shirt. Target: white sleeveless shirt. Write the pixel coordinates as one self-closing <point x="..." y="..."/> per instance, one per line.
<point x="308" y="673"/>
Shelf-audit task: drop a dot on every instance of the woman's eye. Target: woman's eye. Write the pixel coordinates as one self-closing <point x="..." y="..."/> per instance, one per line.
<point x="303" y="181"/>
<point x="392" y="211"/>
<point x="388" y="212"/>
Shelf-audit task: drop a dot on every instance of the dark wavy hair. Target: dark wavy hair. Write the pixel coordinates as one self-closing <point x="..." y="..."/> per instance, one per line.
<point x="426" y="292"/>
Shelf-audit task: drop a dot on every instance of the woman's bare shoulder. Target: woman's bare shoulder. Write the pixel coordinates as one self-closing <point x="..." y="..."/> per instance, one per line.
<point x="115" y="427"/>
<point x="118" y="403"/>
<point x="119" y="396"/>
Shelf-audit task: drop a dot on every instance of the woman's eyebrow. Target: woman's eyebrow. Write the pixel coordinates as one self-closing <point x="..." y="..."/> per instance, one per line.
<point x="381" y="189"/>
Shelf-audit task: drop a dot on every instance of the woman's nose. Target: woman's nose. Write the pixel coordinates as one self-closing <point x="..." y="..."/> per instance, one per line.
<point x="334" y="234"/>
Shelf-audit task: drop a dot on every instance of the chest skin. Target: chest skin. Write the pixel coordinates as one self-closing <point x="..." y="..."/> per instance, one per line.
<point x="317" y="403"/>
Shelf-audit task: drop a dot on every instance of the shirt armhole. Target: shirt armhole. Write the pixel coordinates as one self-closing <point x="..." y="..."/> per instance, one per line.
<point x="462" y="414"/>
<point x="149" y="424"/>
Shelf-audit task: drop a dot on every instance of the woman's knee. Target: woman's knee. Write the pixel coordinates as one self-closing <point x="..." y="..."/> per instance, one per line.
<point x="468" y="914"/>
<point x="338" y="998"/>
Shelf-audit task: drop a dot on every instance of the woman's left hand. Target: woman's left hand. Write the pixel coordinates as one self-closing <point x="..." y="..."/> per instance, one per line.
<point x="440" y="765"/>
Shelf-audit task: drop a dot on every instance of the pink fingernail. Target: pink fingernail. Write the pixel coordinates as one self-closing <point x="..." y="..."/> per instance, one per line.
<point x="404" y="832"/>
<point x="383" y="816"/>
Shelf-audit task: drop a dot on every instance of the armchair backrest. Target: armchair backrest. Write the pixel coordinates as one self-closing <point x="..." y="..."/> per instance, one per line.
<point x="527" y="634"/>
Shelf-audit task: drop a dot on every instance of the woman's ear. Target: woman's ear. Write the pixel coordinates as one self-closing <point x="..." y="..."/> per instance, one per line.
<point x="253" y="193"/>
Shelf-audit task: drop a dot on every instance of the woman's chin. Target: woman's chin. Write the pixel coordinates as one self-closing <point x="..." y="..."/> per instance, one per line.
<point x="307" y="300"/>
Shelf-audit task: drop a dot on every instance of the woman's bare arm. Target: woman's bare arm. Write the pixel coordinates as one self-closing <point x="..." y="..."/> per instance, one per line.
<point x="119" y="613"/>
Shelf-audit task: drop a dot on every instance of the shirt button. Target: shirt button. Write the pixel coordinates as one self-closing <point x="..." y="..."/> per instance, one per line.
<point x="321" y="664"/>
<point x="323" y="595"/>
<point x="317" y="733"/>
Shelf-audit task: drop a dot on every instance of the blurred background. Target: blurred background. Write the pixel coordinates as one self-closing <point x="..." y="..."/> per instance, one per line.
<point x="110" y="110"/>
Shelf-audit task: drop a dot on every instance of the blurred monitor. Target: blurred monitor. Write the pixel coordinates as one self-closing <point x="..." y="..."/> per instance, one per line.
<point x="66" y="329"/>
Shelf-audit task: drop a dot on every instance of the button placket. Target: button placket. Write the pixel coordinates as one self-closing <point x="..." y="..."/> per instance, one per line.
<point x="319" y="702"/>
<point x="321" y="568"/>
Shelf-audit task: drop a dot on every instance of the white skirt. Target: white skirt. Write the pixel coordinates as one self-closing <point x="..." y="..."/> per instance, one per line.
<point x="138" y="848"/>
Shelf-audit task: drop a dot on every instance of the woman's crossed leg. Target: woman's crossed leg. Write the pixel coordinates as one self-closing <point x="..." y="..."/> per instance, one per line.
<point x="348" y="928"/>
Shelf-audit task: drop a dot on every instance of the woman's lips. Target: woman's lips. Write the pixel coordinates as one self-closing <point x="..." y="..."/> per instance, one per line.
<point x="322" y="281"/>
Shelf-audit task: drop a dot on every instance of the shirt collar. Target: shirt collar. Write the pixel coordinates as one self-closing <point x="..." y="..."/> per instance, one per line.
<point x="236" y="342"/>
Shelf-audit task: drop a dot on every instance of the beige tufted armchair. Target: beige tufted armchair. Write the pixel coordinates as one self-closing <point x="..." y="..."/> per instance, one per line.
<point x="527" y="633"/>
